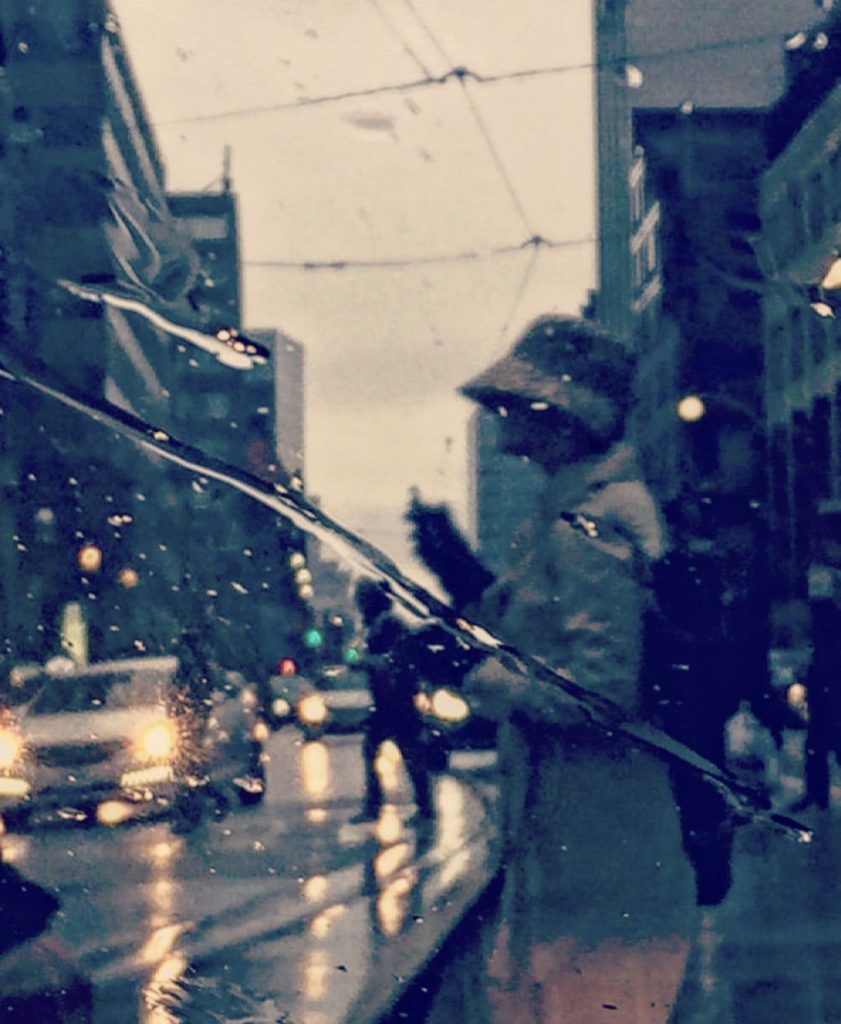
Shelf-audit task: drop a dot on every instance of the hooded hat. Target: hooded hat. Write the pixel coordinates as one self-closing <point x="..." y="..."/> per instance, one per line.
<point x="565" y="363"/>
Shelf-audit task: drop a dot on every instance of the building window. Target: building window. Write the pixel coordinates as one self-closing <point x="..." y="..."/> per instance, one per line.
<point x="818" y="339"/>
<point x="822" y="447"/>
<point x="797" y="344"/>
<point x="834" y="183"/>
<point x="203" y="229"/>
<point x="775" y="352"/>
<point x="793" y="218"/>
<point x="815" y="207"/>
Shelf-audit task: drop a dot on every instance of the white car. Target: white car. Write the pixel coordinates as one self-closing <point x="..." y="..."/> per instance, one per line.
<point x="109" y="741"/>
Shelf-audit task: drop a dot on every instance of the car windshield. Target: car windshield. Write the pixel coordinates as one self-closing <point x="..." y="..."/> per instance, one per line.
<point x="105" y="692"/>
<point x="485" y="354"/>
<point x="343" y="678"/>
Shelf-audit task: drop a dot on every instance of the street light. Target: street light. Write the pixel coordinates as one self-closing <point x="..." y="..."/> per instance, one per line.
<point x="691" y="408"/>
<point x="89" y="558"/>
<point x="128" y="577"/>
<point x="696" y="405"/>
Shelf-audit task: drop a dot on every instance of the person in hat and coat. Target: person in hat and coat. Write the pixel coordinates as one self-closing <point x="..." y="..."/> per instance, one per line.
<point x="597" y="903"/>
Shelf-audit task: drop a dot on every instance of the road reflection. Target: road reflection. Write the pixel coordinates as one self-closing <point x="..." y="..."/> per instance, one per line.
<point x="158" y="952"/>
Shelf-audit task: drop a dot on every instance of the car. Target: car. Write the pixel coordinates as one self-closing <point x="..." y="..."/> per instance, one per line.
<point x="279" y="697"/>
<point x="453" y="722"/>
<point x="338" y="701"/>
<point x="114" y="740"/>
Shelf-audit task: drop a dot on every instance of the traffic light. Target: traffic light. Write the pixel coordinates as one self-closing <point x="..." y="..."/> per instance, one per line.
<point x="313" y="638"/>
<point x="352" y="655"/>
<point x="287" y="666"/>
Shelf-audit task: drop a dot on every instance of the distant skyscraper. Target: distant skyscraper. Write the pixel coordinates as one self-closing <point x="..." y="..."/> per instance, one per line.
<point x="287" y="368"/>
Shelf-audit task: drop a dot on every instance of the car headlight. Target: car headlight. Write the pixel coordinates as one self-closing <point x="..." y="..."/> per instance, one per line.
<point x="312" y="710"/>
<point x="449" y="707"/>
<point x="11" y="747"/>
<point x="260" y="731"/>
<point x="280" y="707"/>
<point x="157" y="741"/>
<point x="422" y="702"/>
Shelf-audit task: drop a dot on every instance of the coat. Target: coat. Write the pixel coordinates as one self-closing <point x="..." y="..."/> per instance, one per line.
<point x="602" y="857"/>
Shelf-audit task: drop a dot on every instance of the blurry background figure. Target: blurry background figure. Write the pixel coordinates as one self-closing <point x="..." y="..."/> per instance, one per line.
<point x="394" y="716"/>
<point x="195" y="671"/>
<point x="823" y="685"/>
<point x="707" y="635"/>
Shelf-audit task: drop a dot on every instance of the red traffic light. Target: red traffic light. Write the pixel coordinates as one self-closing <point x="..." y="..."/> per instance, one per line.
<point x="287" y="666"/>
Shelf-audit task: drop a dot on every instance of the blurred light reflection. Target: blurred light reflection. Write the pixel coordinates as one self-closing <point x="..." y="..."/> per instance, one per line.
<point x="160" y="943"/>
<point x="316" y="970"/>
<point x="322" y="923"/>
<point x="387" y="765"/>
<point x="393" y="903"/>
<point x="157" y="994"/>
<point x="15" y="848"/>
<point x="389" y="826"/>
<point x="391" y="859"/>
<point x="315" y="769"/>
<point x="315" y="888"/>
<point x="452" y="824"/>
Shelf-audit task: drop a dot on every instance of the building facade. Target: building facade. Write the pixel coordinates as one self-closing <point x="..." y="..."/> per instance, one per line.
<point x="107" y="536"/>
<point x="801" y="233"/>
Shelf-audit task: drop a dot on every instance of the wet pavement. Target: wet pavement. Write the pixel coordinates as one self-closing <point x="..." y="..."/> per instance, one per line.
<point x="293" y="913"/>
<point x="286" y="912"/>
<point x="771" y="952"/>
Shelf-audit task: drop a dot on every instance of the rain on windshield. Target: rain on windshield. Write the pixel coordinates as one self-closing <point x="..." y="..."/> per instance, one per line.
<point x="420" y="546"/>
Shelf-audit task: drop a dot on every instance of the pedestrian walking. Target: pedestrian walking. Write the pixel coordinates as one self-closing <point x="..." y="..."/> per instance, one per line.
<point x="823" y="680"/>
<point x="597" y="902"/>
<point x="394" y="716"/>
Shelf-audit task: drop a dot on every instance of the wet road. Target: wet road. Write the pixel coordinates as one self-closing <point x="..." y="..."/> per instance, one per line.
<point x="274" y="913"/>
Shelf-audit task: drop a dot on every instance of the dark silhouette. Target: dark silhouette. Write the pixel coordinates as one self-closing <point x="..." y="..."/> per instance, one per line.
<point x="708" y="633"/>
<point x="393" y="685"/>
<point x="823" y="686"/>
<point x="38" y="979"/>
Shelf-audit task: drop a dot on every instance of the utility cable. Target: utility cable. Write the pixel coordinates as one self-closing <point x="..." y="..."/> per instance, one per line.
<point x="461" y="76"/>
<point x="404" y="43"/>
<point x="461" y="72"/>
<point x="467" y="256"/>
<point x="520" y="293"/>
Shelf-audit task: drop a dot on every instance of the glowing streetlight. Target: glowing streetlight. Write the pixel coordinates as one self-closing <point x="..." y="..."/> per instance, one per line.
<point x="89" y="558"/>
<point x="691" y="408"/>
<point x="128" y="577"/>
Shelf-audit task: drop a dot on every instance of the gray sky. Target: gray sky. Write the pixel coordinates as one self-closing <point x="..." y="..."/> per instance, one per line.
<point x="393" y="176"/>
<point x="408" y="175"/>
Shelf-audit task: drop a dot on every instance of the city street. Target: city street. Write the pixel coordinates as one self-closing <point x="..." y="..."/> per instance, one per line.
<point x="286" y="912"/>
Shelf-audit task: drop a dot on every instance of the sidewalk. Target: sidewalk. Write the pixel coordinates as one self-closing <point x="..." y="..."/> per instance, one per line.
<point x="771" y="952"/>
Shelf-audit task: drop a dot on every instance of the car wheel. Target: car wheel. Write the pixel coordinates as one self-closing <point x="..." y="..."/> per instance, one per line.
<point x="250" y="789"/>
<point x="186" y="811"/>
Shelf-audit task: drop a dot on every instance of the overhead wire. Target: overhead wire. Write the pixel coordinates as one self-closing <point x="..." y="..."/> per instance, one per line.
<point x="466" y="256"/>
<point x="394" y="31"/>
<point x="525" y="280"/>
<point x="481" y="123"/>
<point x="428" y="81"/>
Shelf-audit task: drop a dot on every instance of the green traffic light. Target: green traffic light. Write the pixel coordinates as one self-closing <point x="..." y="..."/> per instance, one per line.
<point x="352" y="656"/>
<point x="313" y="637"/>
